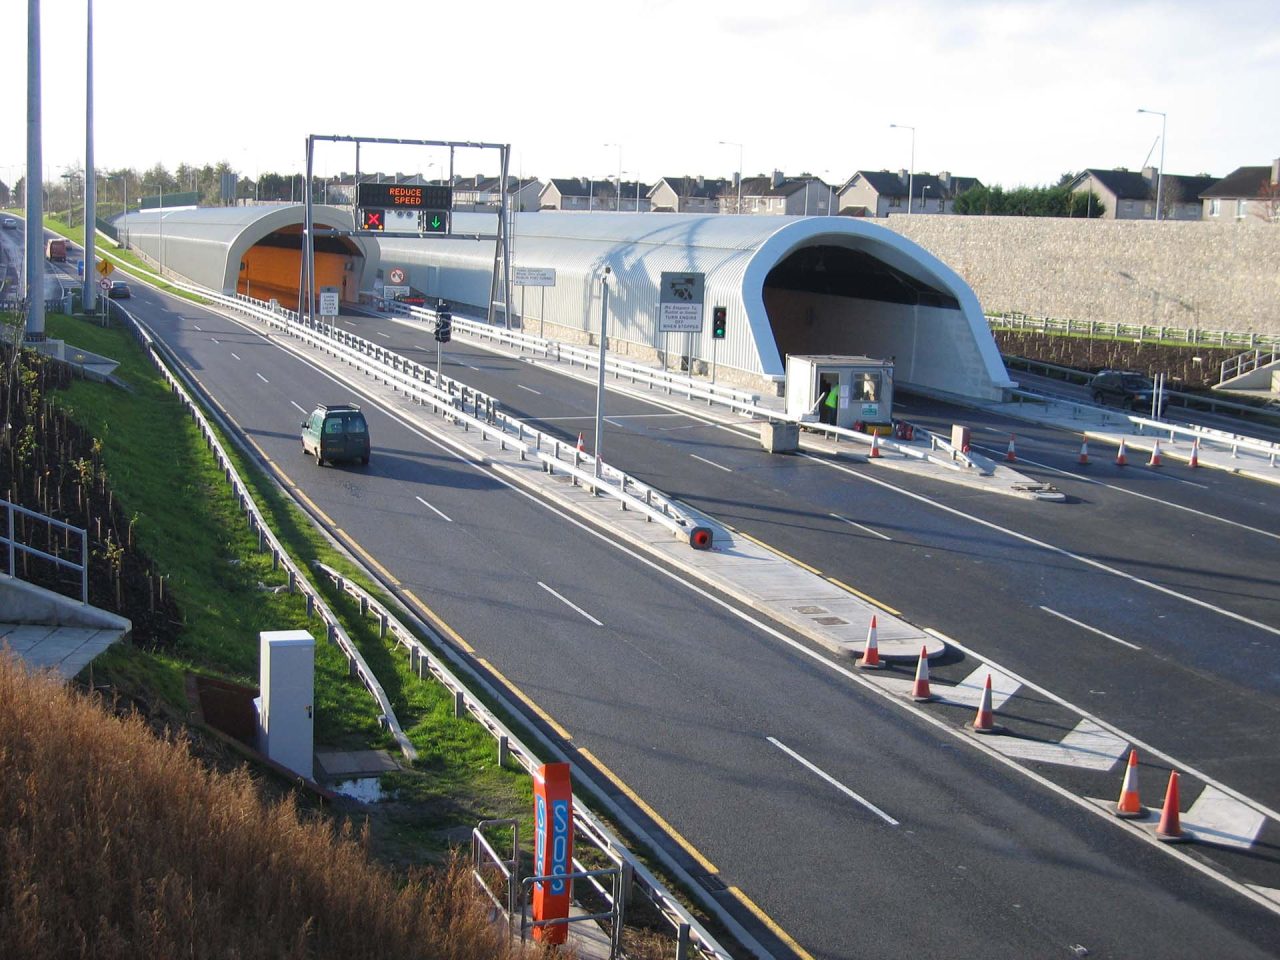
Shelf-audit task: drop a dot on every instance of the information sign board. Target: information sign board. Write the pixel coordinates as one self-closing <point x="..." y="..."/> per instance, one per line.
<point x="328" y="301"/>
<point x="680" y="302"/>
<point x="534" y="276"/>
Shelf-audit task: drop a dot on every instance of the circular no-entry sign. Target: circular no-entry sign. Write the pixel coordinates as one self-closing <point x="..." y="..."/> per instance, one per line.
<point x="397" y="276"/>
<point x="104" y="283"/>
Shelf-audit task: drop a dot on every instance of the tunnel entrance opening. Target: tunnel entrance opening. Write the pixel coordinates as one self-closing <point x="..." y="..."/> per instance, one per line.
<point x="272" y="268"/>
<point x="827" y="299"/>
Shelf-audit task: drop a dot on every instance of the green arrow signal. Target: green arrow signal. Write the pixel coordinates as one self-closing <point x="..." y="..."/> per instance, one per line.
<point x="435" y="222"/>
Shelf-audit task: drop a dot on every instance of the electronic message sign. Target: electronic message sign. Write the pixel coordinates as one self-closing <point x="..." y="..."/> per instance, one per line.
<point x="405" y="196"/>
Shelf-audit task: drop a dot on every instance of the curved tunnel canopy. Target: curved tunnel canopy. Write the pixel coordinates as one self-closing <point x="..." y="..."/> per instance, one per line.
<point x="252" y="250"/>
<point x="814" y="285"/>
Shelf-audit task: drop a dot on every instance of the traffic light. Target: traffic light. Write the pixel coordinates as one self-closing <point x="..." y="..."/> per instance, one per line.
<point x="444" y="325"/>
<point x="718" y="317"/>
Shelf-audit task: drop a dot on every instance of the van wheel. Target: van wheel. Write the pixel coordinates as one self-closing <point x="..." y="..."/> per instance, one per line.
<point x="319" y="459"/>
<point x="1097" y="397"/>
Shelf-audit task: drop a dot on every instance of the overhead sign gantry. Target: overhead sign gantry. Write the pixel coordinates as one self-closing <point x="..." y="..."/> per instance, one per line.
<point x="377" y="206"/>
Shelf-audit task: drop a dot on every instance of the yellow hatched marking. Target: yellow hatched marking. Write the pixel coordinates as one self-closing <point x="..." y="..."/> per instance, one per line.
<point x="870" y="599"/>
<point x="542" y="714"/>
<point x="447" y="630"/>
<point x="768" y="921"/>
<point x="775" y="550"/>
<point x="653" y="814"/>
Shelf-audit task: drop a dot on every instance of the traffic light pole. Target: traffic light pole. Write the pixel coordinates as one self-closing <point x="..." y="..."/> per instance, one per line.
<point x="715" y="344"/>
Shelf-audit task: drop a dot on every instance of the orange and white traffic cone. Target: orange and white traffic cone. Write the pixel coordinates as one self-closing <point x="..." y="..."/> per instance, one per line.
<point x="920" y="689"/>
<point x="1121" y="459"/>
<point x="1170" y="828"/>
<point x="875" y="446"/>
<point x="870" y="659"/>
<point x="984" y="722"/>
<point x="1011" y="454"/>
<point x="582" y="447"/>
<point x="1084" y="452"/>
<point x="1195" y="453"/>
<point x="1155" y="460"/>
<point x="1129" y="805"/>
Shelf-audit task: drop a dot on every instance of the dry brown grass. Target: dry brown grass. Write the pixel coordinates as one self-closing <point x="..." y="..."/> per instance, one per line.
<point x="114" y="843"/>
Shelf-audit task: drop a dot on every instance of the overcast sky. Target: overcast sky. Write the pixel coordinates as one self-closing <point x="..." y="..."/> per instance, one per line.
<point x="1013" y="92"/>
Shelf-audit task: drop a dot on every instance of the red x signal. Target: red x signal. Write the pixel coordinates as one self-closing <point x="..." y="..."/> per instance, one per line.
<point x="371" y="220"/>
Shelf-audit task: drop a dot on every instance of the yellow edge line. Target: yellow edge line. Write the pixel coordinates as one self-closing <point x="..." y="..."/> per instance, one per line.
<point x="858" y="593"/>
<point x="364" y="555"/>
<point x="768" y="921"/>
<point x="542" y="714"/>
<point x="653" y="814"/>
<point x="784" y="556"/>
<point x="451" y="633"/>
<point x="311" y="503"/>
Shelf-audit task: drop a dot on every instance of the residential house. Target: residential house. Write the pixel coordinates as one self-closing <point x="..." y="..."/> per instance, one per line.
<point x="1245" y="193"/>
<point x="478" y="193"/>
<point x="880" y="193"/>
<point x="779" y="195"/>
<point x="690" y="194"/>
<point x="588" y="195"/>
<point x="1127" y="195"/>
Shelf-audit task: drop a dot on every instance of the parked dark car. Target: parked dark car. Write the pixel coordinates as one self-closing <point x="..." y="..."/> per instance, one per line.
<point x="336" y="431"/>
<point x="1124" y="388"/>
<point x="119" y="290"/>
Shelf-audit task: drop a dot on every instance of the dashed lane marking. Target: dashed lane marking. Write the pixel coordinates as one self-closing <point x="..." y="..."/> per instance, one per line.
<point x="874" y="533"/>
<point x="436" y="509"/>
<point x="815" y="769"/>
<point x="1085" y="626"/>
<point x="570" y="604"/>
<point x="711" y="463"/>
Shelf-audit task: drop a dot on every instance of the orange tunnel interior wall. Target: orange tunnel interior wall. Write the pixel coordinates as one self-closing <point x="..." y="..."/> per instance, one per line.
<point x="272" y="273"/>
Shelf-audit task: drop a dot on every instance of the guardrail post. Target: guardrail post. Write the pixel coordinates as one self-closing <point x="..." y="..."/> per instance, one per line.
<point x="682" y="942"/>
<point x="504" y="750"/>
<point x="459" y="703"/>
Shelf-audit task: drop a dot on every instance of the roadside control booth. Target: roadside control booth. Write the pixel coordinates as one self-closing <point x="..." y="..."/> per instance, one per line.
<point x="850" y="392"/>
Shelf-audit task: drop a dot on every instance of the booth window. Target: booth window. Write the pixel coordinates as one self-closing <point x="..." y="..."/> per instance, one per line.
<point x="867" y="387"/>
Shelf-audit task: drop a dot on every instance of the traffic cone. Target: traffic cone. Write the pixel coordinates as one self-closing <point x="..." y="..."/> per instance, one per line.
<point x="1084" y="452"/>
<point x="1121" y="459"/>
<point x="983" y="722"/>
<point x="1011" y="455"/>
<point x="920" y="689"/>
<point x="1195" y="453"/>
<point x="870" y="659"/>
<point x="1155" y="455"/>
<point x="875" y="446"/>
<point x="1129" y="806"/>
<point x="1170" y="828"/>
<point x="582" y="447"/>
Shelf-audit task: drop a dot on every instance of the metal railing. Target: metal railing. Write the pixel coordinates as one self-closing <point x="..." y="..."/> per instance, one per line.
<point x="1246" y="362"/>
<point x="1159" y="333"/>
<point x="614" y="898"/>
<point x="13" y="546"/>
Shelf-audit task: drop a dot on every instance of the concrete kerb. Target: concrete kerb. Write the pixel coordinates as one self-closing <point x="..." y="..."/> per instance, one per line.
<point x="756" y="576"/>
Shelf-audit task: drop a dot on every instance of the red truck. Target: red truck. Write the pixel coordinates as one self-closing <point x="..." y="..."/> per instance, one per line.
<point x="56" y="250"/>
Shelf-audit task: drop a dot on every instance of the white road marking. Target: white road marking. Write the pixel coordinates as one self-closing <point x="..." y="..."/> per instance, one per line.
<point x="216" y="340"/>
<point x="1088" y="746"/>
<point x="530" y="389"/>
<point x="834" y="782"/>
<point x="300" y="409"/>
<point x="851" y="523"/>
<point x="570" y="604"/>
<point x="430" y="507"/>
<point x="236" y="355"/>
<point x="1060" y="551"/>
<point x="1222" y="820"/>
<point x="420" y="346"/>
<point x="1165" y="503"/>
<point x="711" y="463"/>
<point x="1085" y="626"/>
<point x="470" y="367"/>
<point x="381" y="334"/>
<point x="198" y="327"/>
<point x="261" y="377"/>
<point x="968" y="692"/>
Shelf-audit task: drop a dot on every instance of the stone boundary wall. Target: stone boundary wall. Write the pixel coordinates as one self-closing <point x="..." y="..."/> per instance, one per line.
<point x="1207" y="276"/>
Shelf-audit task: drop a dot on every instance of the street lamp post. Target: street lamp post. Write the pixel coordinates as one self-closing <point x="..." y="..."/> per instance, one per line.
<point x="604" y="333"/>
<point x="911" y="171"/>
<point x="1160" y="172"/>
<point x="730" y="143"/>
<point x="617" y="206"/>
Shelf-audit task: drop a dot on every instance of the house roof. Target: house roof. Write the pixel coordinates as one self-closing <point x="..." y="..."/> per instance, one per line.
<point x="689" y="187"/>
<point x="1242" y="183"/>
<point x="1132" y="185"/>
<point x="886" y="183"/>
<point x="763" y="186"/>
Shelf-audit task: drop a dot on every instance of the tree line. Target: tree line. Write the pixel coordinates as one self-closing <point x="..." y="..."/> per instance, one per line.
<point x="1048" y="201"/>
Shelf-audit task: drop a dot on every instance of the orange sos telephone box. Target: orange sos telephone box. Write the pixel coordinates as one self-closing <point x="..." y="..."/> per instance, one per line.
<point x="552" y="850"/>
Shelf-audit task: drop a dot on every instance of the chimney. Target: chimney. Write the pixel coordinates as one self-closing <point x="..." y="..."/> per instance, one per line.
<point x="1275" y="172"/>
<point x="945" y="177"/>
<point x="1150" y="173"/>
<point x="777" y="179"/>
<point x="583" y="181"/>
<point x="701" y="181"/>
<point x="737" y="176"/>
<point x="478" y="179"/>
